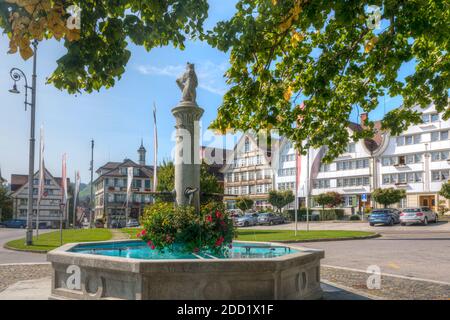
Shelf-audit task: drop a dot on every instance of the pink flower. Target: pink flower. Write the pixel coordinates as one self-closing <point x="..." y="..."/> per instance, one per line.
<point x="218" y="214"/>
<point x="150" y="243"/>
<point x="153" y="247"/>
<point x="196" y="250"/>
<point x="209" y="218"/>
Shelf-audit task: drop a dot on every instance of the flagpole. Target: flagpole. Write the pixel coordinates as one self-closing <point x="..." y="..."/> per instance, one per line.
<point x="74" y="202"/>
<point x="296" y="192"/>
<point x="307" y="190"/>
<point x="155" y="152"/>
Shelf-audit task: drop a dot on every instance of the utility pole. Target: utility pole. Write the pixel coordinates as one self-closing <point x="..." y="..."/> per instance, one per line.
<point x="91" y="205"/>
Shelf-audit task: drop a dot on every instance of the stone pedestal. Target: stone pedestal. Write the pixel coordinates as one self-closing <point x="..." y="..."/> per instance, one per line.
<point x="187" y="153"/>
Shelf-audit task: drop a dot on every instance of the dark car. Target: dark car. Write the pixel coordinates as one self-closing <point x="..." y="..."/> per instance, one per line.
<point x="42" y="225"/>
<point x="387" y="217"/>
<point x="270" y="218"/>
<point x="17" y="224"/>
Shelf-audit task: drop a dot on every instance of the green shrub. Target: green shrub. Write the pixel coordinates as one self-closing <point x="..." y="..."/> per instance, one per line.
<point x="167" y="227"/>
<point x="355" y="217"/>
<point x="315" y="214"/>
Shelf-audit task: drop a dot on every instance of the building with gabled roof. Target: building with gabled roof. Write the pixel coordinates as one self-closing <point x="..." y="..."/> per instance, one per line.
<point x="110" y="190"/>
<point x="49" y="208"/>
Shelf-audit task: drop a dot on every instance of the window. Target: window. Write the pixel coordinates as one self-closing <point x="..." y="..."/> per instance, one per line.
<point x="351" y="147"/>
<point x="440" y="175"/>
<point x="247" y="145"/>
<point x="321" y="183"/>
<point x="410" y="177"/>
<point x="352" y="164"/>
<point x="427" y="118"/>
<point x="440" y="156"/>
<point x="439" y="135"/>
<point x="409" y="140"/>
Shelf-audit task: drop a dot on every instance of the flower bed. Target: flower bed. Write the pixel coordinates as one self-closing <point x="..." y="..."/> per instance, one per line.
<point x="167" y="227"/>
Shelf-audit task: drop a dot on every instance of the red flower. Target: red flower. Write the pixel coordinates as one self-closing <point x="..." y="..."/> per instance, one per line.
<point x="153" y="247"/>
<point x="196" y="250"/>
<point x="209" y="218"/>
<point x="150" y="243"/>
<point x="218" y="214"/>
<point x="219" y="242"/>
<point x="142" y="233"/>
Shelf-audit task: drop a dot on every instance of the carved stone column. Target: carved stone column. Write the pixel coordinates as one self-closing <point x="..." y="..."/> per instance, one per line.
<point x="187" y="153"/>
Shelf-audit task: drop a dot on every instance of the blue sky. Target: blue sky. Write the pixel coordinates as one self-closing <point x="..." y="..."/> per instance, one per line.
<point x="117" y="118"/>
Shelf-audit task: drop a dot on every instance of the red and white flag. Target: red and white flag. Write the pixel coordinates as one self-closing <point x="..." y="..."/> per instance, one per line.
<point x="41" y="167"/>
<point x="129" y="184"/>
<point x="64" y="179"/>
<point x="155" y="151"/>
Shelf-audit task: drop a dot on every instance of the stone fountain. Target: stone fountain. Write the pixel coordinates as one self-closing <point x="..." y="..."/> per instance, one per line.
<point x="130" y="270"/>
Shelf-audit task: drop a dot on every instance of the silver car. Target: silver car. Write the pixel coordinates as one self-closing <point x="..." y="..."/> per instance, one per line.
<point x="422" y="215"/>
<point x="247" y="220"/>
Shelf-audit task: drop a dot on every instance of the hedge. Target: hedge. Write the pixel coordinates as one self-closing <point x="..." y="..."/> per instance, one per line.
<point x="315" y="214"/>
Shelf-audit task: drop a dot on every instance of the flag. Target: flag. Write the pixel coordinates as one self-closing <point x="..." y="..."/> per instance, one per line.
<point x="41" y="167"/>
<point x="64" y="180"/>
<point x="298" y="159"/>
<point x="155" y="151"/>
<point x="129" y="183"/>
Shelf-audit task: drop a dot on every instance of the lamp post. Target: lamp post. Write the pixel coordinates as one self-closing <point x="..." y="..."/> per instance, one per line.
<point x="17" y="75"/>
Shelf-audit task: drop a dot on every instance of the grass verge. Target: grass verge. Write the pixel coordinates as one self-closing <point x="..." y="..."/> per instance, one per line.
<point x="51" y="240"/>
<point x="289" y="235"/>
<point x="284" y="235"/>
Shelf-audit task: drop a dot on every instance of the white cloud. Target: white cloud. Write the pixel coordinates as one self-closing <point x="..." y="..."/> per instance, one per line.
<point x="210" y="75"/>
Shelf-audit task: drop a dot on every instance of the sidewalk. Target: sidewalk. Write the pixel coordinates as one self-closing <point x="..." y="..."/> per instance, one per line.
<point x="40" y="290"/>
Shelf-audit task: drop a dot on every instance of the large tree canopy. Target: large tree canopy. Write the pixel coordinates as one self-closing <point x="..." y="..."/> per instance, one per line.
<point x="300" y="66"/>
<point x="328" y="53"/>
<point x="97" y="56"/>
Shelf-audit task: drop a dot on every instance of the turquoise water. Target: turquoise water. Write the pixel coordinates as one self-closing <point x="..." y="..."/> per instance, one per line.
<point x="140" y="250"/>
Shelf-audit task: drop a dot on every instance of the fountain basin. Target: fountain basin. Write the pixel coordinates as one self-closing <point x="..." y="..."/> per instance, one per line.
<point x="129" y="270"/>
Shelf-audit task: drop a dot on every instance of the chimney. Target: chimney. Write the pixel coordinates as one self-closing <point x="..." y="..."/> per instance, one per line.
<point x="364" y="117"/>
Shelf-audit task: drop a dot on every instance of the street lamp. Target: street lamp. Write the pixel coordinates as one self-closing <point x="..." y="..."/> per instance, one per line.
<point x="17" y="75"/>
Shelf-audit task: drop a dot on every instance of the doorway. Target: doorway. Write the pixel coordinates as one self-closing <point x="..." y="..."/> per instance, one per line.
<point x="428" y="201"/>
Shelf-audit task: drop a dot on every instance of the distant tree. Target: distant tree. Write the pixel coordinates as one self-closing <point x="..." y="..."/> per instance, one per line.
<point x="445" y="190"/>
<point x="244" y="203"/>
<point x="209" y="184"/>
<point x="280" y="199"/>
<point x="329" y="199"/>
<point x="388" y="196"/>
<point x="6" y="204"/>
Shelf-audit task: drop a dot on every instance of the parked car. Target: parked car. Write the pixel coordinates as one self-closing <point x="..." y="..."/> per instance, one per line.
<point x="422" y="215"/>
<point x="132" y="223"/>
<point x="247" y="220"/>
<point x="387" y="217"/>
<point x="99" y="224"/>
<point x="42" y="225"/>
<point x="118" y="224"/>
<point x="270" y="218"/>
<point x="15" y="223"/>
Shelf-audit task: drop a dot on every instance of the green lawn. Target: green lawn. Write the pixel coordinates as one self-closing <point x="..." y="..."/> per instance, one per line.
<point x="51" y="240"/>
<point x="131" y="232"/>
<point x="289" y="235"/>
<point x="282" y="235"/>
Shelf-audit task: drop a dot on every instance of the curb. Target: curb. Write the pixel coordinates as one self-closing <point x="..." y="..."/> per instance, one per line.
<point x="351" y="290"/>
<point x="25" y="250"/>
<point x="377" y="235"/>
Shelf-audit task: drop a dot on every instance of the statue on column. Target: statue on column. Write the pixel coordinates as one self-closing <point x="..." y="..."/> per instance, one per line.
<point x="188" y="83"/>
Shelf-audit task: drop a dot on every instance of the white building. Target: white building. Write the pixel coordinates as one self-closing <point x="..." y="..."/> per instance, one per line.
<point x="50" y="211"/>
<point x="417" y="161"/>
<point x="248" y="173"/>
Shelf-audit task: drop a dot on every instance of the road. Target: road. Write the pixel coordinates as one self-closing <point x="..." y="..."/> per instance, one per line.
<point x="8" y="256"/>
<point x="414" y="251"/>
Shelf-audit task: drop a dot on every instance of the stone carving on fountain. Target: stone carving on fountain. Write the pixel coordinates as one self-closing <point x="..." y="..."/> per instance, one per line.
<point x="188" y="84"/>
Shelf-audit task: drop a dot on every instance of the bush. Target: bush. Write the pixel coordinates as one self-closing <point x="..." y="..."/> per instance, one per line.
<point x="315" y="214"/>
<point x="180" y="228"/>
<point x="355" y="217"/>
